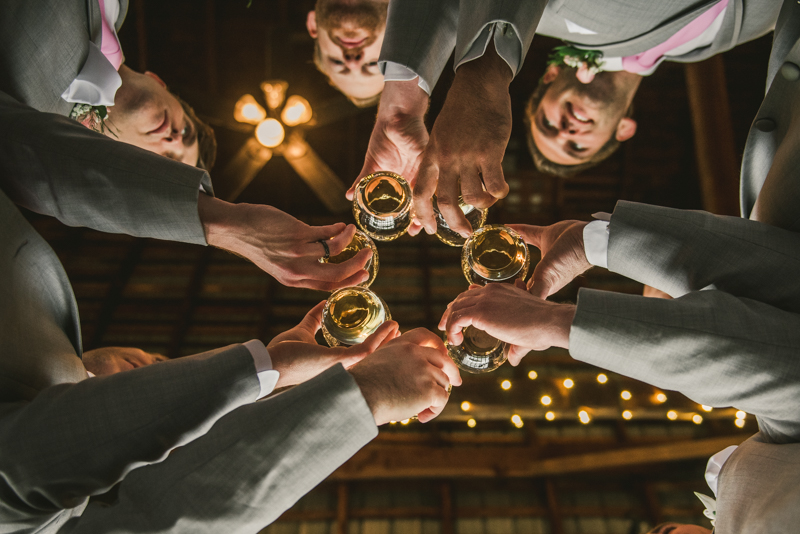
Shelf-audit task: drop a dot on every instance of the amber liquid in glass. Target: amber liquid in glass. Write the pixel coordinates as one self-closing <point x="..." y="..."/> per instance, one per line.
<point x="351" y="315"/>
<point x="494" y="253"/>
<point x="382" y="205"/>
<point x="360" y="241"/>
<point x="475" y="217"/>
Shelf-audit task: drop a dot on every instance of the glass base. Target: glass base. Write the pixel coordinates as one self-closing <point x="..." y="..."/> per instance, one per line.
<point x="351" y="315"/>
<point x="479" y="352"/>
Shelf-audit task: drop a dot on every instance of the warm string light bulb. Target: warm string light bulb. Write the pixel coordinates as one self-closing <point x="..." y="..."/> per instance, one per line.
<point x="627" y="415"/>
<point x="672" y="415"/>
<point x="697" y="419"/>
<point x="583" y="415"/>
<point x="546" y="400"/>
<point x="739" y="423"/>
<point x="517" y="420"/>
<point x="660" y="397"/>
<point x="741" y="414"/>
<point x="568" y="383"/>
<point x="505" y="384"/>
<point x="405" y="421"/>
<point x="602" y="378"/>
<point x="533" y="375"/>
<point x="550" y="416"/>
<point x="706" y="408"/>
<point x="626" y="395"/>
<point x="466" y="406"/>
<point x="471" y="422"/>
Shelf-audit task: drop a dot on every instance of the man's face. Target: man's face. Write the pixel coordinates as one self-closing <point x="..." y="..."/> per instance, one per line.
<point x="574" y="120"/>
<point x="349" y="36"/>
<point x="147" y="115"/>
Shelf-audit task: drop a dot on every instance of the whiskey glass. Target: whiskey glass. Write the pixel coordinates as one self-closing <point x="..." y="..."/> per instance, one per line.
<point x="476" y="217"/>
<point x="479" y="352"/>
<point x="382" y="205"/>
<point x="495" y="253"/>
<point x="360" y="241"/>
<point x="351" y="315"/>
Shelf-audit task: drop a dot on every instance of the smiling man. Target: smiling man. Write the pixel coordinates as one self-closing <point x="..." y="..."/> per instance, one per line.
<point x="348" y="35"/>
<point x="573" y="126"/>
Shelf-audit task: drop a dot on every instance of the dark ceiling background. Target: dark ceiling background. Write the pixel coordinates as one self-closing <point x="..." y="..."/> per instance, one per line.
<point x="179" y="299"/>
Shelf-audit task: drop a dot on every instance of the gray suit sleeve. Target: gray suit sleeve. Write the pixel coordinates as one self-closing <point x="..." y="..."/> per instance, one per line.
<point x="680" y="251"/>
<point x="53" y="165"/>
<point x="252" y="465"/>
<point x="75" y="440"/>
<point x="420" y="35"/>
<point x="474" y="15"/>
<point x="715" y="348"/>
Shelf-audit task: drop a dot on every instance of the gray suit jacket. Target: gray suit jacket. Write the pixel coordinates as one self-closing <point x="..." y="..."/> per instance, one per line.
<point x="57" y="167"/>
<point x="622" y="28"/>
<point x="729" y="338"/>
<point x="64" y="437"/>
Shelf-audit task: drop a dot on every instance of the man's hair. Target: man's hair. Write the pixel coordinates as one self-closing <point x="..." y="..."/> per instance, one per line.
<point x="358" y="102"/>
<point x="206" y="140"/>
<point x="557" y="169"/>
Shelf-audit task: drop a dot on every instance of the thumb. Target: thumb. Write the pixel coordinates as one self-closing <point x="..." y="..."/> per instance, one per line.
<point x="313" y="319"/>
<point x="532" y="235"/>
<point x="385" y="333"/>
<point x="541" y="284"/>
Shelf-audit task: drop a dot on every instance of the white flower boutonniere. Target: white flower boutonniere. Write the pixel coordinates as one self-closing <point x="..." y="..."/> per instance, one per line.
<point x="92" y="117"/>
<point x="711" y="507"/>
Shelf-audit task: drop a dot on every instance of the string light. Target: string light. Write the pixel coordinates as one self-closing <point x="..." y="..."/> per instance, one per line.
<point x="405" y="421"/>
<point x="550" y="416"/>
<point x="471" y="422"/>
<point x="602" y="378"/>
<point x="672" y="415"/>
<point x="741" y="414"/>
<point x="546" y="400"/>
<point x="466" y="406"/>
<point x="626" y="395"/>
<point x="739" y="423"/>
<point x="706" y="408"/>
<point x="533" y="375"/>
<point x="660" y="397"/>
<point x="583" y="415"/>
<point x="392" y="422"/>
<point x="627" y="415"/>
<point x="568" y="383"/>
<point x="505" y="384"/>
<point x="516" y="419"/>
<point x="697" y="419"/>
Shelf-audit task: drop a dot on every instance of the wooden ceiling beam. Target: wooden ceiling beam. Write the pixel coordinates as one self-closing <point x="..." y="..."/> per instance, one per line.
<point x="382" y="462"/>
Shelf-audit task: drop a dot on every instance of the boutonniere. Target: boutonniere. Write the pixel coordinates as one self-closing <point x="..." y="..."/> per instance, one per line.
<point x="588" y="62"/>
<point x="92" y="117"/>
<point x="711" y="507"/>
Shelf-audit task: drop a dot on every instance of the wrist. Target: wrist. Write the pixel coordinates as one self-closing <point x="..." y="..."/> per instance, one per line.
<point x="561" y="324"/>
<point x="402" y="99"/>
<point x="368" y="391"/>
<point x="490" y="72"/>
<point x="226" y="225"/>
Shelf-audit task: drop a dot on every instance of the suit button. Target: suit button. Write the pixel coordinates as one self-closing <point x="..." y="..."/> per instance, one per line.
<point x="790" y="71"/>
<point x="765" y="125"/>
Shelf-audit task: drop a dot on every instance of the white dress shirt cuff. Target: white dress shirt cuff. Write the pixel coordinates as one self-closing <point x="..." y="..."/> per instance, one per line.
<point x="395" y="72"/>
<point x="506" y="42"/>
<point x="714" y="467"/>
<point x="267" y="376"/>
<point x="595" y="243"/>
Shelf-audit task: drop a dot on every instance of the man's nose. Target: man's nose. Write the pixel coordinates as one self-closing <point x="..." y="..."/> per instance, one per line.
<point x="568" y="127"/>
<point x="172" y="137"/>
<point x="353" y="55"/>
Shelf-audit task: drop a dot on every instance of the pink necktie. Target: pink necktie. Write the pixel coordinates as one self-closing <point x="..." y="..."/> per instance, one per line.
<point x="646" y="60"/>
<point x="110" y="46"/>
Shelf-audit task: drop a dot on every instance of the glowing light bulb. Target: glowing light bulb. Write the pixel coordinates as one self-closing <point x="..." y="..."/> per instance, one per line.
<point x="568" y="383"/>
<point x="583" y="415"/>
<point x="550" y="416"/>
<point x="602" y="378"/>
<point x="741" y="414"/>
<point x="626" y="395"/>
<point x="706" y="408"/>
<point x="627" y="415"/>
<point x="471" y="422"/>
<point x="505" y="384"/>
<point x="249" y="111"/>
<point x="405" y="421"/>
<point x="697" y="419"/>
<point x="270" y="133"/>
<point x="533" y="375"/>
<point x="516" y="419"/>
<point x="546" y="400"/>
<point x="297" y="111"/>
<point x="660" y="397"/>
<point x="739" y="423"/>
<point x="466" y="406"/>
<point x="672" y="415"/>
<point x="392" y="422"/>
